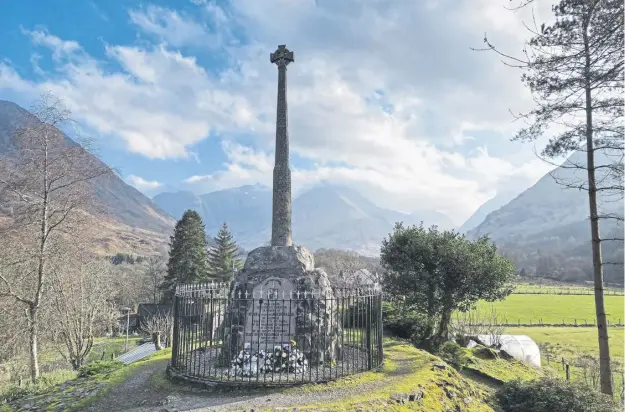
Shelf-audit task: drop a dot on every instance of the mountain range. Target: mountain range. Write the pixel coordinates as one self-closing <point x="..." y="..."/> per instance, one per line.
<point x="324" y="216"/>
<point x="544" y="229"/>
<point x="126" y="218"/>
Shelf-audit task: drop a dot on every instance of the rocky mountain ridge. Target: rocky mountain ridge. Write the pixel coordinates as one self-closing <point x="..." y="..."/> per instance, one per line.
<point x="546" y="230"/>
<point x="324" y="216"/>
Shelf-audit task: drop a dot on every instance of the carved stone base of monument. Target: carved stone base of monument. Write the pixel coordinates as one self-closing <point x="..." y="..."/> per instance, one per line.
<point x="280" y="297"/>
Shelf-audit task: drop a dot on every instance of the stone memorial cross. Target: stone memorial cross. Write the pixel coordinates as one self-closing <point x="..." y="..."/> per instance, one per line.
<point x="281" y="218"/>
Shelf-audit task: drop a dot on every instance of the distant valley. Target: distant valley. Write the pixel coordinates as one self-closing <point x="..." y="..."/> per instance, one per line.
<point x="325" y="216"/>
<point x="544" y="230"/>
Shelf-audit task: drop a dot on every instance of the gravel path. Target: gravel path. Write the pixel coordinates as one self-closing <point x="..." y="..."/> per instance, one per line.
<point x="133" y="392"/>
<point x="138" y="395"/>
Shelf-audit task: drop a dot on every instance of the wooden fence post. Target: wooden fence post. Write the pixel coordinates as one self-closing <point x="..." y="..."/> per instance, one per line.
<point x="568" y="372"/>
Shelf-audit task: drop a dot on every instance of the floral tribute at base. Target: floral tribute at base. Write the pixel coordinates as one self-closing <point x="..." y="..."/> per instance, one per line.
<point x="280" y="360"/>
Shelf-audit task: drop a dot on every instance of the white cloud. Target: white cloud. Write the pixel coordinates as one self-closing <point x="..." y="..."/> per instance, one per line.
<point x="60" y="48"/>
<point x="168" y="25"/>
<point x="142" y="184"/>
<point x="197" y="178"/>
<point x="385" y="98"/>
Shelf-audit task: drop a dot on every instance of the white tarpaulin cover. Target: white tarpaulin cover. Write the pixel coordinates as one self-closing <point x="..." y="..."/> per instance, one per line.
<point x="520" y="347"/>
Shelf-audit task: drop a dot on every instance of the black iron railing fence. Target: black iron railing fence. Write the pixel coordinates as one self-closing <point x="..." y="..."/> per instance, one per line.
<point x="225" y="333"/>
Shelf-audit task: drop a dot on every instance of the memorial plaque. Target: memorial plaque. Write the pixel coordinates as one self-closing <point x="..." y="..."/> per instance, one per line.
<point x="270" y="321"/>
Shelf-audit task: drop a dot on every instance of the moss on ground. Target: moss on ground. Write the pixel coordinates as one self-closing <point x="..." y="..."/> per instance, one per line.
<point x="76" y="394"/>
<point x="422" y="382"/>
<point x="487" y="364"/>
<point x="409" y="380"/>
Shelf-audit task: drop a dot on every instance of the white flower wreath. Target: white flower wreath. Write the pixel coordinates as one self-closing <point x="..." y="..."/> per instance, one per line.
<point x="280" y="360"/>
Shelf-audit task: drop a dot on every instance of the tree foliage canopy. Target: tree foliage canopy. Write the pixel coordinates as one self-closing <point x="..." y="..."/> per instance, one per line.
<point x="439" y="272"/>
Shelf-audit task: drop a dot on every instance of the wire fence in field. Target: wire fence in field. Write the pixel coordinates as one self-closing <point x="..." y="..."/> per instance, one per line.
<point x="567" y="322"/>
<point x="586" y="369"/>
<point x="529" y="289"/>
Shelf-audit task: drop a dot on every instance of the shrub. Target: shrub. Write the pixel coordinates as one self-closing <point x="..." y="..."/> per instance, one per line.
<point x="402" y="324"/>
<point x="453" y="354"/>
<point x="99" y="368"/>
<point x="408" y="324"/>
<point x="552" y="395"/>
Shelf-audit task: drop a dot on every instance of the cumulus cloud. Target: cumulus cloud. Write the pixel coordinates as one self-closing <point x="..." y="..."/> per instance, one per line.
<point x="383" y="96"/>
<point x="168" y="25"/>
<point x="142" y="184"/>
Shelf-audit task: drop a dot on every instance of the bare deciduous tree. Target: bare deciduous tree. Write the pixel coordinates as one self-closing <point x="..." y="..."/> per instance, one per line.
<point x="155" y="270"/>
<point x="45" y="181"/>
<point x="78" y="296"/>
<point x="161" y="323"/>
<point x="468" y="325"/>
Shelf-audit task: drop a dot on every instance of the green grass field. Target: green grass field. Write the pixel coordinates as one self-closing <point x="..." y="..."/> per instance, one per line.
<point x="572" y="342"/>
<point x="552" y="309"/>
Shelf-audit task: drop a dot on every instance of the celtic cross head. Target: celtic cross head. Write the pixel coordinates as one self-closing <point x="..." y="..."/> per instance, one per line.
<point x="282" y="56"/>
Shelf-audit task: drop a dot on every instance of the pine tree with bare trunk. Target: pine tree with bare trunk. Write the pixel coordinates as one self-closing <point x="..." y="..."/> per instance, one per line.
<point x="44" y="180"/>
<point x="574" y="69"/>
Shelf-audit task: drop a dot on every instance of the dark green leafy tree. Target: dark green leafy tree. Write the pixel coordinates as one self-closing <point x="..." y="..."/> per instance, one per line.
<point x="438" y="272"/>
<point x="574" y="69"/>
<point x="187" y="254"/>
<point x="222" y="258"/>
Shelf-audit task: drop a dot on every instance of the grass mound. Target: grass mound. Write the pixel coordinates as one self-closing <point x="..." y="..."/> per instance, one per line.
<point x="487" y="363"/>
<point x="411" y="379"/>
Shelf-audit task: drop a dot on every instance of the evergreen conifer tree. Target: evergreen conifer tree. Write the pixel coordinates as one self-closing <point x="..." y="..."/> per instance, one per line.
<point x="187" y="254"/>
<point x="222" y="258"/>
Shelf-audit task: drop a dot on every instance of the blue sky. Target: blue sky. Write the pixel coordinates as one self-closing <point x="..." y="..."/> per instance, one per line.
<point x="384" y="96"/>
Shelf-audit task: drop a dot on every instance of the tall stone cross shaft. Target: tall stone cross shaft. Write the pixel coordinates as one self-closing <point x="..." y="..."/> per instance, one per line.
<point x="281" y="218"/>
